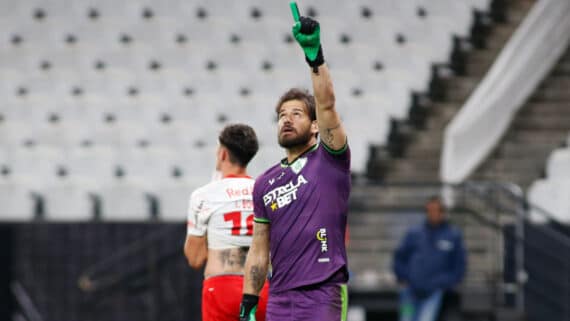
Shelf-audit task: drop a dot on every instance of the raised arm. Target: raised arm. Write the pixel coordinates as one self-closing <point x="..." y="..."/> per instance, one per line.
<point x="307" y="33"/>
<point x="331" y="130"/>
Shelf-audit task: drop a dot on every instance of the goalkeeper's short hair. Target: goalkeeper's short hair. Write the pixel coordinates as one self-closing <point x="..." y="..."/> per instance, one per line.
<point x="298" y="94"/>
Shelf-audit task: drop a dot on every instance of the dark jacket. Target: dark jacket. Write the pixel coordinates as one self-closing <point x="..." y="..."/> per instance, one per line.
<point x="430" y="258"/>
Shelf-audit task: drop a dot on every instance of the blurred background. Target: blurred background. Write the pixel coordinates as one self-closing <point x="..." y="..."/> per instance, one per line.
<point x="110" y="110"/>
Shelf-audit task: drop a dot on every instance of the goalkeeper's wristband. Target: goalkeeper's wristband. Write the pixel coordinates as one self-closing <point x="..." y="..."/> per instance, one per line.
<point x="319" y="60"/>
<point x="248" y="307"/>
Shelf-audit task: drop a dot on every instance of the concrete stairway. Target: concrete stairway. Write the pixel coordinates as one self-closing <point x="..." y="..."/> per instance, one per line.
<point x="421" y="146"/>
<point x="377" y="229"/>
<point x="379" y="219"/>
<point x="542" y="125"/>
<point x="381" y="213"/>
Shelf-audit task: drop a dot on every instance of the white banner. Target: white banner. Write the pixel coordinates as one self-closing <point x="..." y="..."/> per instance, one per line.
<point x="523" y="63"/>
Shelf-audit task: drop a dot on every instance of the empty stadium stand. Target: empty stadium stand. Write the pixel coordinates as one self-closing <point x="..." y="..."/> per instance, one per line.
<point x="168" y="75"/>
<point x="412" y="152"/>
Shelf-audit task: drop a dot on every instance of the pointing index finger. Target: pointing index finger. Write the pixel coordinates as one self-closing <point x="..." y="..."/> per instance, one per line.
<point x="294" y="10"/>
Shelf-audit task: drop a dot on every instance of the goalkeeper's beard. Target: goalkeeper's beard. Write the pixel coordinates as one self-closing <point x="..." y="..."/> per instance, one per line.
<point x="295" y="140"/>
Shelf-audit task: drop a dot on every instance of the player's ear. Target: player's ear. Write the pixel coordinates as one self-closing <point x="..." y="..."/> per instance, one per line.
<point x="223" y="153"/>
<point x="220" y="153"/>
<point x="314" y="127"/>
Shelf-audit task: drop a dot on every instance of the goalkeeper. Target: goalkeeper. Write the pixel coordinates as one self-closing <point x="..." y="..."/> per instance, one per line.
<point x="300" y="204"/>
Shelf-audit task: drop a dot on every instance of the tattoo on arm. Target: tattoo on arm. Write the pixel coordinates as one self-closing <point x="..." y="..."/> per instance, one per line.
<point x="329" y="137"/>
<point x="257" y="277"/>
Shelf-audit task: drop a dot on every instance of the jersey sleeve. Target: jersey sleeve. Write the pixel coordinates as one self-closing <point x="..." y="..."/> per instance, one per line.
<point x="198" y="216"/>
<point x="259" y="212"/>
<point x="340" y="158"/>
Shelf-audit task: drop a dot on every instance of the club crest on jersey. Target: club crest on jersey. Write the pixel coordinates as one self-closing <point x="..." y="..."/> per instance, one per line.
<point x="298" y="165"/>
<point x="283" y="195"/>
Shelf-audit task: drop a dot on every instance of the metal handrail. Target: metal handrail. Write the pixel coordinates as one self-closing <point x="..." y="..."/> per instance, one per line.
<point x="25" y="302"/>
<point x="515" y="194"/>
<point x="561" y="237"/>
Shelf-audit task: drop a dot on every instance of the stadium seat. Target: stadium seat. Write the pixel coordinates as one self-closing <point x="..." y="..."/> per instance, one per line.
<point x="92" y="165"/>
<point x="198" y="165"/>
<point x="323" y="8"/>
<point x="459" y="12"/>
<point x="539" y="194"/>
<point x="267" y="156"/>
<point x="123" y="201"/>
<point x="177" y="134"/>
<point x="564" y="189"/>
<point x="17" y="202"/>
<point x="558" y="165"/>
<point x="15" y="61"/>
<point x="14" y="133"/>
<point x="147" y="167"/>
<point x="68" y="201"/>
<point x="553" y="197"/>
<point x="67" y="134"/>
<point x="35" y="166"/>
<point x="120" y="134"/>
<point x="480" y="4"/>
<point x="266" y="133"/>
<point x="174" y="199"/>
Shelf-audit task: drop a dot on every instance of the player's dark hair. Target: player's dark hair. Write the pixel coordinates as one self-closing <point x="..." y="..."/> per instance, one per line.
<point x="302" y="95"/>
<point x="241" y="142"/>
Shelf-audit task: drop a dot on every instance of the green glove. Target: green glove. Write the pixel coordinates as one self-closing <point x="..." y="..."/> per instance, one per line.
<point x="307" y="32"/>
<point x="248" y="307"/>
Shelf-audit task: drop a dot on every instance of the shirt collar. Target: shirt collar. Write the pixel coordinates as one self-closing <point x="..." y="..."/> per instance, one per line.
<point x="285" y="163"/>
<point x="237" y="176"/>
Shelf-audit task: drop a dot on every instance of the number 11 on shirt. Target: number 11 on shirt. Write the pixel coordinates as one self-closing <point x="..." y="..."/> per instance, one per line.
<point x="238" y="224"/>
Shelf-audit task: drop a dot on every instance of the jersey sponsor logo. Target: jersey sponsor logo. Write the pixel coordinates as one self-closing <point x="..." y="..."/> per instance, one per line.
<point x="272" y="181"/>
<point x="239" y="192"/>
<point x="283" y="195"/>
<point x="322" y="237"/>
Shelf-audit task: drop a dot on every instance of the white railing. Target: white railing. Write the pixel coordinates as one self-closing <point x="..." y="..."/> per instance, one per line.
<point x="524" y="61"/>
